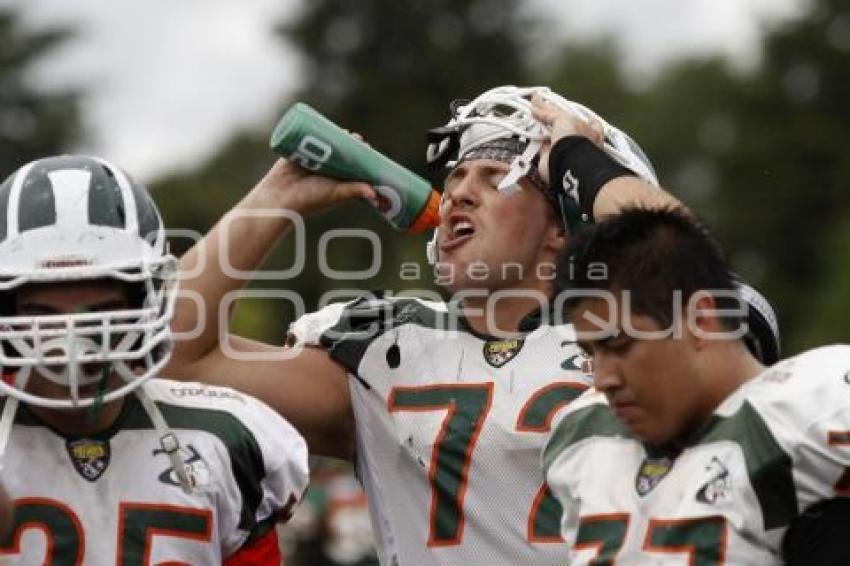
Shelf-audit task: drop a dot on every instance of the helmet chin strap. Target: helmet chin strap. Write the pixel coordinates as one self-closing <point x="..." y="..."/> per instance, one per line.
<point x="167" y="440"/>
<point x="10" y="410"/>
<point x="520" y="167"/>
<point x="94" y="409"/>
<point x="6" y="422"/>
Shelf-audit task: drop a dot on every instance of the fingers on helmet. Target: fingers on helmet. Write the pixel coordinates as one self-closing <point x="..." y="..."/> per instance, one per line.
<point x="598" y="131"/>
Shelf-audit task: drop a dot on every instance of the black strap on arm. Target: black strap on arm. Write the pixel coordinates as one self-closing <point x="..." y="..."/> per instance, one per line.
<point x="580" y="168"/>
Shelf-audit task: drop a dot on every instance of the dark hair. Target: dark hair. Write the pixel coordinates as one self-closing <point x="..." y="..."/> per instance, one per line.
<point x="651" y="253"/>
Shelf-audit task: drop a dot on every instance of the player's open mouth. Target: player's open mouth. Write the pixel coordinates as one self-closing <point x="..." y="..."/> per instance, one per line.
<point x="460" y="230"/>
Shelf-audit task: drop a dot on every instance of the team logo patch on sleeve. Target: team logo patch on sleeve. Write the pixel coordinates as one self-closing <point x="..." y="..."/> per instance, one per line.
<point x="499" y="352"/>
<point x="90" y="457"/>
<point x="719" y="484"/>
<point x="651" y="472"/>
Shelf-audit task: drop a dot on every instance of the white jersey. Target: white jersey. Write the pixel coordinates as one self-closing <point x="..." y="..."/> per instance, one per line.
<point x="114" y="499"/>
<point x="449" y="430"/>
<point x="778" y="444"/>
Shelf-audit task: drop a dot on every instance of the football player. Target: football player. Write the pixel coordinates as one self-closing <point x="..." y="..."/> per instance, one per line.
<point x="687" y="448"/>
<point x="105" y="462"/>
<point x="447" y="403"/>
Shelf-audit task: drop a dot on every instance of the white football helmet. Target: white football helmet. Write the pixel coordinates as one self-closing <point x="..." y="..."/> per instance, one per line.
<point x="505" y="113"/>
<point x="762" y="337"/>
<point x="73" y="218"/>
<point x="77" y="218"/>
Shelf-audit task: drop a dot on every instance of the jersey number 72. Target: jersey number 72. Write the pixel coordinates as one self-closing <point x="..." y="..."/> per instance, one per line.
<point x="467" y="406"/>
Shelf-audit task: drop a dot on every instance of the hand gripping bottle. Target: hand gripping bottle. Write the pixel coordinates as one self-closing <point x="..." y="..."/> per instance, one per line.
<point x="314" y="142"/>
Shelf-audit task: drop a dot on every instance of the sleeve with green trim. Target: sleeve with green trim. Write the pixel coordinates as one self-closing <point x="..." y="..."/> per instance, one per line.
<point x="268" y="459"/>
<point x="345" y="330"/>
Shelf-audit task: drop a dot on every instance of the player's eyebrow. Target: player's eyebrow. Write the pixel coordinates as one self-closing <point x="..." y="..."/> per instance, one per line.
<point x="488" y="168"/>
<point x="110" y="305"/>
<point x="36" y="308"/>
<point x="617" y="342"/>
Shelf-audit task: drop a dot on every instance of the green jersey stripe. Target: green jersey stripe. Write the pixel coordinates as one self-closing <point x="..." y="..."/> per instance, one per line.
<point x="593" y="420"/>
<point x="371" y="316"/>
<point x="768" y="466"/>
<point x="245" y="455"/>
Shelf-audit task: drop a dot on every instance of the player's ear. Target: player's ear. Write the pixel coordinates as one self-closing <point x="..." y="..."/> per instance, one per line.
<point x="703" y="319"/>
<point x="555" y="237"/>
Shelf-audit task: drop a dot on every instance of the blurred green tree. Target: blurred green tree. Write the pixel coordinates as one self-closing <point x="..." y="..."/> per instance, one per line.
<point x="387" y="70"/>
<point x="790" y="172"/>
<point x="778" y="165"/>
<point x="33" y="123"/>
<point x="760" y="153"/>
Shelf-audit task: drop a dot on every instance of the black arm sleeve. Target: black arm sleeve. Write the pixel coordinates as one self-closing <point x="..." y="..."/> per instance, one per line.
<point x="581" y="168"/>
<point x="821" y="535"/>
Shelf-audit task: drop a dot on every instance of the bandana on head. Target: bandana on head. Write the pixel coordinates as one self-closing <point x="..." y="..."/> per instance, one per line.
<point x="506" y="150"/>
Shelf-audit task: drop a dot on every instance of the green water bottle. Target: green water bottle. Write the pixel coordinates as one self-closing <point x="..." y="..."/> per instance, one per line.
<point x="314" y="142"/>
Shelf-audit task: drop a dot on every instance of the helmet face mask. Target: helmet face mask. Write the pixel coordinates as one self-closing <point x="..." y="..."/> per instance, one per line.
<point x="504" y="113"/>
<point x="98" y="225"/>
<point x="498" y="114"/>
<point x="75" y="220"/>
<point x="80" y="350"/>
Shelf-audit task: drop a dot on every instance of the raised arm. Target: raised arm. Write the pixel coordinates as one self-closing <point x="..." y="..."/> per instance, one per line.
<point x="308" y="389"/>
<point x="242" y="239"/>
<point x="625" y="192"/>
<point x="614" y="195"/>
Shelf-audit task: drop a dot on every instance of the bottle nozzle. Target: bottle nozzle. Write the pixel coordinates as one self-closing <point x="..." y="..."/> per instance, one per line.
<point x="430" y="215"/>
